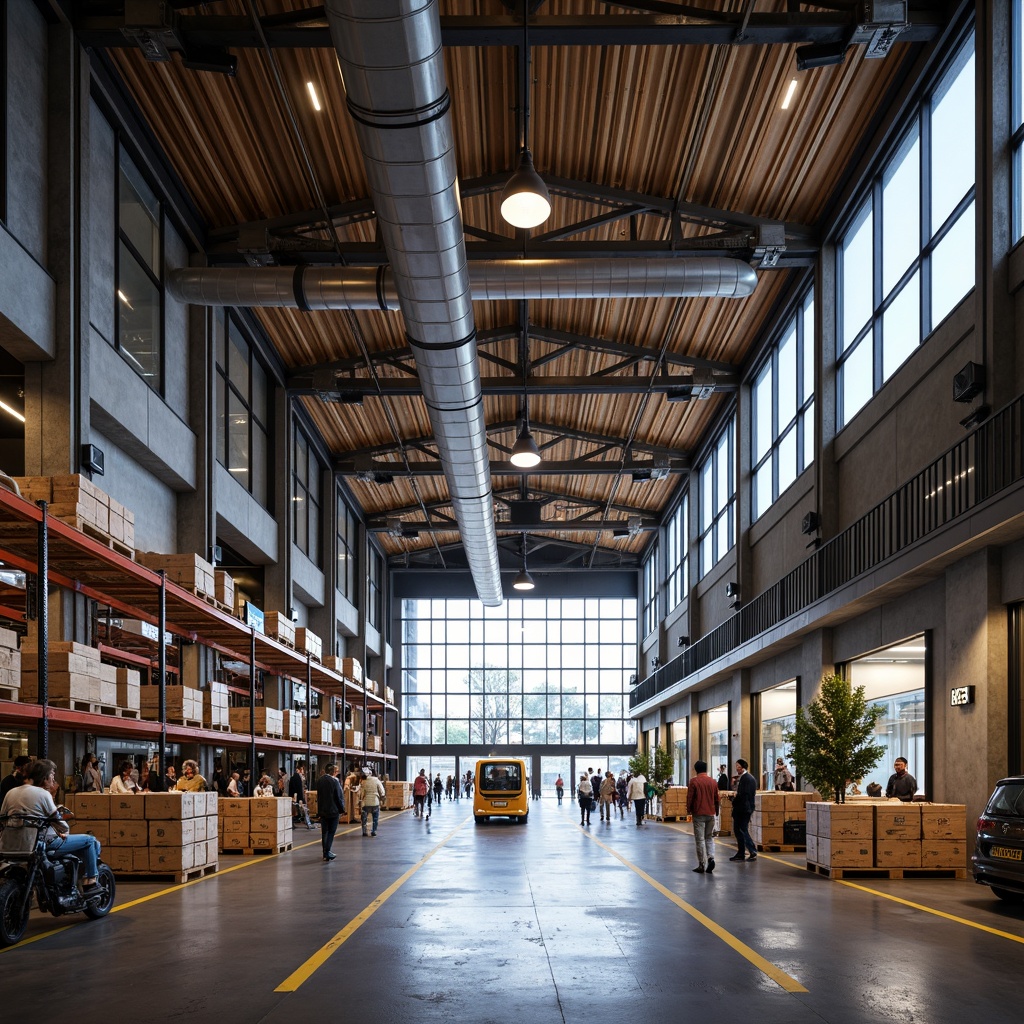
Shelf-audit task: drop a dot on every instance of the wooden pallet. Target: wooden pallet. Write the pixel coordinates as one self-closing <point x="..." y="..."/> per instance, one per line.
<point x="179" y="877"/>
<point x="780" y="848"/>
<point x="10" y="693"/>
<point x="250" y="851"/>
<point x="190" y="723"/>
<point x="84" y="705"/>
<point x="874" y="872"/>
<point x="93" y="532"/>
<point x="211" y="601"/>
<point x="216" y="728"/>
<point x="670" y="817"/>
<point x="133" y="713"/>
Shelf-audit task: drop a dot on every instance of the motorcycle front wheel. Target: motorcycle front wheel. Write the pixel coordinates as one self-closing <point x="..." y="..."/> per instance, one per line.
<point x="100" y="906"/>
<point x="13" y="912"/>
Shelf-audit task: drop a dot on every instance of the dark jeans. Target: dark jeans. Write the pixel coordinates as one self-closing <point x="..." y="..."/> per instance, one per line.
<point x="584" y="810"/>
<point x="417" y="805"/>
<point x="328" y="828"/>
<point x="375" y="811"/>
<point x="743" y="841"/>
<point x="560" y="791"/>
<point x="641" y="806"/>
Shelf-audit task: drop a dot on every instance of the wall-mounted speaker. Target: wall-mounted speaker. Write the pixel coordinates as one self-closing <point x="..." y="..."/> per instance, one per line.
<point x="92" y="459"/>
<point x="969" y="382"/>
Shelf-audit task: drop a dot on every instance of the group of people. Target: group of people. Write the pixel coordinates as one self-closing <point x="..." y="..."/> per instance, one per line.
<point x="331" y="803"/>
<point x="133" y="779"/>
<point x="427" y="791"/>
<point x="608" y="794"/>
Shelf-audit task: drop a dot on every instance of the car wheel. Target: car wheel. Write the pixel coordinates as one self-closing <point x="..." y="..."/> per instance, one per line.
<point x="13" y="912"/>
<point x="522" y="819"/>
<point x="1008" y="895"/>
<point x="479" y="818"/>
<point x="100" y="906"/>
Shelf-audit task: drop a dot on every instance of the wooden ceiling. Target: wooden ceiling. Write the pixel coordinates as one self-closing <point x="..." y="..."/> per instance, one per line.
<point x="660" y="131"/>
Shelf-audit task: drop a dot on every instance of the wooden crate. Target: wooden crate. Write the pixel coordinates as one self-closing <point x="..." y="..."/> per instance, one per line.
<point x="898" y="821"/>
<point x="224" y="587"/>
<point x="308" y="642"/>
<point x="280" y="627"/>
<point x="188" y="570"/>
<point x="943" y="822"/>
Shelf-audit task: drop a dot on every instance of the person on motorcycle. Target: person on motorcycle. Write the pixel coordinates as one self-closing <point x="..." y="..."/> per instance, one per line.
<point x="36" y="800"/>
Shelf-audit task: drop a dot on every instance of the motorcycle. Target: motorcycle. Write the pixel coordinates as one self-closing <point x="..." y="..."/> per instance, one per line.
<point x="49" y="875"/>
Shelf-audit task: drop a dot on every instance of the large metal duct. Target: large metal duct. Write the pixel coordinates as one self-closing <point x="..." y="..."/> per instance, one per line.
<point x="390" y="57"/>
<point x="376" y="288"/>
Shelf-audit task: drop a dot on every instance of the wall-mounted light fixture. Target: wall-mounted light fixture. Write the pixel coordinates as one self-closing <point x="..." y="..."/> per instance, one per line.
<point x="683" y="641"/>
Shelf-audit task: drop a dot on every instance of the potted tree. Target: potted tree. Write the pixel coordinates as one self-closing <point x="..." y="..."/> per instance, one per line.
<point x="831" y="743"/>
<point x="657" y="769"/>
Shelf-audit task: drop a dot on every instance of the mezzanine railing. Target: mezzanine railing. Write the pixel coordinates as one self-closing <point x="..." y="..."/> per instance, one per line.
<point x="985" y="462"/>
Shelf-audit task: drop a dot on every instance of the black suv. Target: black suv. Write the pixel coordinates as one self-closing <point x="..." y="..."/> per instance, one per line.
<point x="999" y="849"/>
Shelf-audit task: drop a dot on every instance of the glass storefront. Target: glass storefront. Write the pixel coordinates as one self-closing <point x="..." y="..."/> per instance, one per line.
<point x="778" y="716"/>
<point x="715" y="739"/>
<point x="680" y="747"/>
<point x="894" y="678"/>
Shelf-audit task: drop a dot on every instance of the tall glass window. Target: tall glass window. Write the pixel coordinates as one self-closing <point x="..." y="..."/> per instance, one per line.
<point x="778" y="716"/>
<point x="783" y="410"/>
<point x="348" y="541"/>
<point x="901" y="262"/>
<point x="715" y="739"/>
<point x="534" y="671"/>
<point x="650" y="596"/>
<point x="375" y="593"/>
<point x="677" y="556"/>
<point x="718" y="501"/>
<point x="306" y="497"/>
<point x="139" y="298"/>
<point x="243" y="412"/>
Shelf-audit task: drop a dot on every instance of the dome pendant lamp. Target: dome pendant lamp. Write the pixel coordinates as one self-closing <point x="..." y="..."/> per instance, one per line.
<point x="523" y="580"/>
<point x="525" y="200"/>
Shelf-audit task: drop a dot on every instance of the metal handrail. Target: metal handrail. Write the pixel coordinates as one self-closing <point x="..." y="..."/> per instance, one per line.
<point x="985" y="462"/>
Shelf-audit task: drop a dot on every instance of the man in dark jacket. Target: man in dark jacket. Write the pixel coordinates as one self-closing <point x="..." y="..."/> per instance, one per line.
<point x="330" y="803"/>
<point x="297" y="791"/>
<point x="743" y="811"/>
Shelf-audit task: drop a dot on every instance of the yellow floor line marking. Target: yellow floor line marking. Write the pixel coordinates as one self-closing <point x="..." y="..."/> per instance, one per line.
<point x="766" y="967"/>
<point x="178" y="887"/>
<point x="303" y="973"/>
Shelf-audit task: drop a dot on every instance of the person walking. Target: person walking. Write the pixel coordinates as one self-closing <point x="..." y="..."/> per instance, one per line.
<point x="637" y="792"/>
<point x="438" y="789"/>
<point x="420" y="785"/>
<point x="372" y="792"/>
<point x="330" y="803"/>
<point x="742" y="811"/>
<point x="297" y="791"/>
<point x="703" y="803"/>
<point x="783" y="779"/>
<point x="585" y="795"/>
<point x="559" y="789"/>
<point x="607" y="796"/>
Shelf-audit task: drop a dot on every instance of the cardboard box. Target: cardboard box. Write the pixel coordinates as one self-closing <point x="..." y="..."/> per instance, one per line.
<point x="812" y="849"/>
<point x="308" y="642"/>
<point x="267" y="806"/>
<point x="131" y="807"/>
<point x="897" y="821"/>
<point x="264" y="840"/>
<point x="234" y="840"/>
<point x="944" y="853"/>
<point x="944" y="821"/>
<point x="232" y="808"/>
<point x="235" y="824"/>
<point x="120" y="858"/>
<point x="279" y="626"/>
<point x="224" y="587"/>
<point x="269" y="721"/>
<point x="172" y="833"/>
<point x="795" y="802"/>
<point x="171" y="858"/>
<point x="165" y="806"/>
<point x="770" y="801"/>
<point x="128" y="832"/>
<point x="353" y="739"/>
<point x="199" y="834"/>
<point x="99" y="829"/>
<point x="188" y="570"/>
<point x="212" y="853"/>
<point x="199" y="854"/>
<point x="769" y="819"/>
<point x="91" y="806"/>
<point x="770" y="836"/>
<point x="897" y="853"/>
<point x="351" y="669"/>
<point x="845" y="821"/>
<point x="845" y="853"/>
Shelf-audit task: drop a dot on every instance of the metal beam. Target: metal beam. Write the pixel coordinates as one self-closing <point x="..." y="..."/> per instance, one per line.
<point x="378" y="525"/>
<point x="381" y="472"/>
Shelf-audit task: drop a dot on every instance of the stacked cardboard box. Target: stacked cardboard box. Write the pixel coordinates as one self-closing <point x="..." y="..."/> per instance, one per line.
<point x="76" y="500"/>
<point x="269" y="721"/>
<point x="321" y="732"/>
<point x="157" y="833"/>
<point x="10" y="664"/>
<point x="75" y="675"/>
<point x="673" y="802"/>
<point x="224" y="588"/>
<point x="374" y="744"/>
<point x="725" y="818"/>
<point x="187" y="570"/>
<point x="372" y="686"/>
<point x="184" y="704"/>
<point x="353" y="739"/>
<point x="129" y="689"/>
<point x="259" y="823"/>
<point x="351" y="669"/>
<point x="294" y="727"/>
<point x="308" y="642"/>
<point x="772" y="811"/>
<point x="280" y="627"/>
<point x="215" y="706"/>
<point x="887" y="834"/>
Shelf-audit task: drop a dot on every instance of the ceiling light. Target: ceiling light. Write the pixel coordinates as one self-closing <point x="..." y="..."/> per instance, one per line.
<point x="789" y="94"/>
<point x="523" y="580"/>
<point x="821" y="55"/>
<point x="314" y="99"/>
<point x="12" y="412"/>
<point x="525" y="453"/>
<point x="525" y="200"/>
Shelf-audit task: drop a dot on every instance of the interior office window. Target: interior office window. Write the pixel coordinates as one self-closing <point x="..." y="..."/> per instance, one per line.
<point x="348" y="540"/>
<point x="243" y="412"/>
<point x="650" y="595"/>
<point x="783" y="410"/>
<point x="1017" y="117"/>
<point x="375" y="595"/>
<point x="677" y="554"/>
<point x="907" y="257"/>
<point x="718" y="501"/>
<point x="3" y="120"/>
<point x="139" y="274"/>
<point x="306" y="498"/>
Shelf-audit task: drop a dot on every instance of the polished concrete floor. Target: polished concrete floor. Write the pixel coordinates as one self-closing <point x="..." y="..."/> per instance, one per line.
<point x="442" y="920"/>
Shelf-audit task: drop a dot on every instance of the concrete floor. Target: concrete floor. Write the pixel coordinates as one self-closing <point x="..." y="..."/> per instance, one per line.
<point x="442" y="920"/>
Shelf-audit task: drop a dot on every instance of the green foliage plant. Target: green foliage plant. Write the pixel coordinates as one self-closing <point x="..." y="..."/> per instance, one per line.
<point x="657" y="769"/>
<point x="831" y="743"/>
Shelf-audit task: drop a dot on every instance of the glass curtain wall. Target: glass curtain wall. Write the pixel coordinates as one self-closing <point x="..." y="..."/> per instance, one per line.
<point x="895" y="678"/>
<point x="715" y="736"/>
<point x="680" y="747"/>
<point x="529" y="672"/>
<point x="778" y="716"/>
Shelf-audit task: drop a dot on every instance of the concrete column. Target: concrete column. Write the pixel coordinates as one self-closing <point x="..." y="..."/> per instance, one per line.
<point x="974" y="736"/>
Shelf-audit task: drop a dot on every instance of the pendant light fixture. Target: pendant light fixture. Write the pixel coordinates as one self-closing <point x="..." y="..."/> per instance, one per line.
<point x="525" y="201"/>
<point x="525" y="453"/>
<point x="523" y="580"/>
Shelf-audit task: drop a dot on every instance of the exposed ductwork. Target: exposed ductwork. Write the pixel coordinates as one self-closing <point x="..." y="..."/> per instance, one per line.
<point x="376" y="287"/>
<point x="391" y="61"/>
